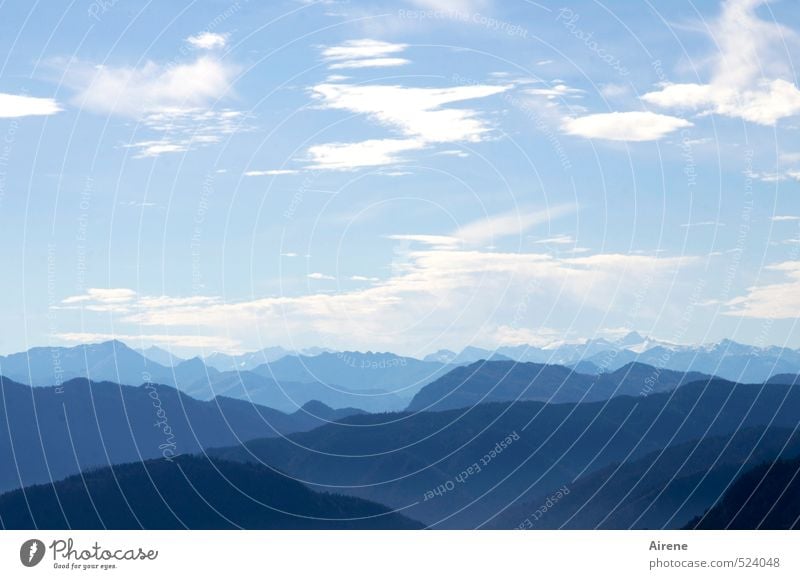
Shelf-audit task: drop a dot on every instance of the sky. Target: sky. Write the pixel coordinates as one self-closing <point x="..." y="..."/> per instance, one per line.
<point x="398" y="176"/>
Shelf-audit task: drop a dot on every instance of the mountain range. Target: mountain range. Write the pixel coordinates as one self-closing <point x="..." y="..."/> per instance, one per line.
<point x="400" y="459"/>
<point x="517" y="381"/>
<point x="383" y="381"/>
<point x="765" y="497"/>
<point x="48" y="433"/>
<point x="189" y="492"/>
<point x="484" y="445"/>
<point x="663" y="489"/>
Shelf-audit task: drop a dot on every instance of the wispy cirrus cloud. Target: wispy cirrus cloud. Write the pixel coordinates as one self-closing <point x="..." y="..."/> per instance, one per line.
<point x="436" y="293"/>
<point x="15" y="106"/>
<point x="624" y="126"/>
<point x="560" y="239"/>
<point x="512" y="223"/>
<point x="420" y="115"/>
<point x="557" y="91"/>
<point x="772" y="301"/>
<point x="176" y="102"/>
<point x="364" y="53"/>
<point x="208" y="40"/>
<point x="271" y="172"/>
<point x="752" y="77"/>
<point x="371" y="153"/>
<point x="775" y="176"/>
<point x="491" y="228"/>
<point x="99" y="297"/>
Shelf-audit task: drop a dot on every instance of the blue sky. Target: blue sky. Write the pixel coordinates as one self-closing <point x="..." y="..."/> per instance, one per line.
<point x="401" y="176"/>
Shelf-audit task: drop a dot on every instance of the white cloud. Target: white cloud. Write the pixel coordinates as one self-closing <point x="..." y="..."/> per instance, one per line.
<point x="363" y="278"/>
<point x="208" y="40"/>
<point x="771" y="301"/>
<point x="557" y="91"/>
<point x="418" y="114"/>
<point x="454" y="153"/>
<point x="151" y="88"/>
<point x="625" y="126"/>
<point x="271" y="172"/>
<point x="765" y="103"/>
<point x="702" y="224"/>
<point x="490" y="228"/>
<point x="320" y="276"/>
<point x="156" y="148"/>
<point x="435" y="291"/>
<point x="103" y="296"/>
<point x="560" y="239"/>
<point x="369" y="63"/>
<point x="364" y="48"/>
<point x="372" y="153"/>
<point x="785" y="218"/>
<point x="364" y="53"/>
<point x="777" y="177"/>
<point x="177" y="101"/>
<point x="509" y="224"/>
<point x="441" y="241"/>
<point x="14" y="106"/>
<point x="752" y="76"/>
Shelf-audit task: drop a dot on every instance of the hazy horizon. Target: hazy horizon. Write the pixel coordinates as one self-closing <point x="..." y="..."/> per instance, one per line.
<point x="410" y="177"/>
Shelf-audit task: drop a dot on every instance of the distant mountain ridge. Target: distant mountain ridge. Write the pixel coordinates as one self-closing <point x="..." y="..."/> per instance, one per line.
<point x="484" y="382"/>
<point x="765" y="497"/>
<point x="397" y="459"/>
<point x="47" y="433"/>
<point x="726" y="359"/>
<point x="377" y="381"/>
<point x="664" y="489"/>
<point x="189" y="492"/>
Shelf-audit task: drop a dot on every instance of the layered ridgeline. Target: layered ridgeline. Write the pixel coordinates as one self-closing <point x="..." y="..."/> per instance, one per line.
<point x="509" y="381"/>
<point x="627" y="462"/>
<point x="765" y="497"/>
<point x="370" y="381"/>
<point x="460" y="468"/>
<point x="374" y="381"/>
<point x="663" y="489"/>
<point x="189" y="492"/>
<point x="47" y="433"/>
